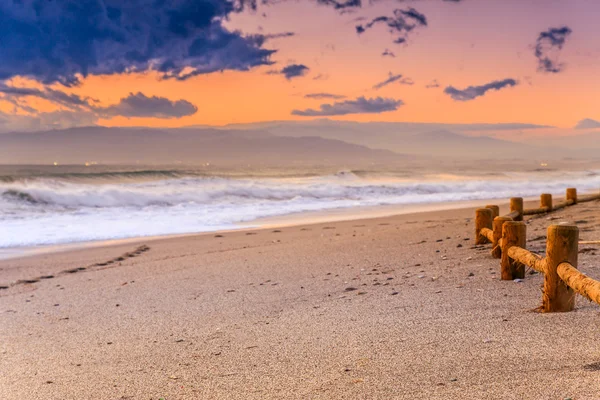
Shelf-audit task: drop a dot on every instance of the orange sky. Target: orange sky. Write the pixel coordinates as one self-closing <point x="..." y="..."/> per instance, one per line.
<point x="464" y="44"/>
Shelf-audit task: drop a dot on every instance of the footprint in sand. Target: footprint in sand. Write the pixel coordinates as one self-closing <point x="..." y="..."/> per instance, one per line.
<point x="26" y="281"/>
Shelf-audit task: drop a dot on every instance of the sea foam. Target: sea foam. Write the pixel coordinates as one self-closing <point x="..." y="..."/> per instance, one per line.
<point x="52" y="211"/>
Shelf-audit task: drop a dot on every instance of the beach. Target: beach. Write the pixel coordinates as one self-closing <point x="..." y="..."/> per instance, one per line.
<point x="397" y="307"/>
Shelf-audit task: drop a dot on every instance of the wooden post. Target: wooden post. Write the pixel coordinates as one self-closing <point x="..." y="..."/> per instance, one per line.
<point x="562" y="246"/>
<point x="572" y="195"/>
<point x="516" y="204"/>
<point x="495" y="210"/>
<point x="483" y="219"/>
<point x="514" y="233"/>
<point x="498" y="223"/>
<point x="546" y="201"/>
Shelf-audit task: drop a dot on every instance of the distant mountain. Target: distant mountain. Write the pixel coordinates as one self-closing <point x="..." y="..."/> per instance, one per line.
<point x="193" y="146"/>
<point x="588" y="124"/>
<point x="408" y="138"/>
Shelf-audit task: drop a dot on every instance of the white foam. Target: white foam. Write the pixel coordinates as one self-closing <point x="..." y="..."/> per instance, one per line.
<point x="45" y="211"/>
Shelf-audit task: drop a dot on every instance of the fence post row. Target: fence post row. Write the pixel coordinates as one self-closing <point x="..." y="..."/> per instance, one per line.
<point x="508" y="235"/>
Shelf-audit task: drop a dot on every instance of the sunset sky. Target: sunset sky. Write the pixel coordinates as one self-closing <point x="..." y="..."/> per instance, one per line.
<point x="187" y="62"/>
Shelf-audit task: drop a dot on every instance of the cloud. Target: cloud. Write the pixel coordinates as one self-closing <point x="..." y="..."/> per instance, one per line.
<point x="324" y="96"/>
<point x="393" y="78"/>
<point x="140" y="105"/>
<point x="15" y="95"/>
<point x="472" y="92"/>
<point x="86" y="109"/>
<point x="548" y="45"/>
<point x="401" y="23"/>
<point x="587" y="124"/>
<point x="388" y="53"/>
<point x="291" y="71"/>
<point x="361" y="105"/>
<point x="433" y="84"/>
<point x="62" y="41"/>
<point x="279" y="35"/>
<point x="341" y="5"/>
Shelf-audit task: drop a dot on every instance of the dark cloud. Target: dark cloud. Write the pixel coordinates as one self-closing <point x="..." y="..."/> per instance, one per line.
<point x="14" y="95"/>
<point x="61" y="40"/>
<point x="324" y="96"/>
<point x="388" y="53"/>
<point x="393" y="78"/>
<point x="140" y="105"/>
<point x="361" y="105"/>
<point x="433" y="84"/>
<point x="587" y="124"/>
<point x="473" y="92"/>
<point x="401" y="23"/>
<point x="279" y="35"/>
<point x="134" y="105"/>
<point x="292" y="71"/>
<point x="547" y="45"/>
<point x="341" y="5"/>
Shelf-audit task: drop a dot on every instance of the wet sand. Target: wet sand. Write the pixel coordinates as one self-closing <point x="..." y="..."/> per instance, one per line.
<point x="402" y="307"/>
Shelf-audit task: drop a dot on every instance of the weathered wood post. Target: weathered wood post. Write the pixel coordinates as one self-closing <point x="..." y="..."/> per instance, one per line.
<point x="495" y="210"/>
<point x="562" y="246"/>
<point x="546" y="201"/>
<point x="572" y="195"/>
<point x="516" y="204"/>
<point x="497" y="228"/>
<point x="483" y="219"/>
<point x="514" y="233"/>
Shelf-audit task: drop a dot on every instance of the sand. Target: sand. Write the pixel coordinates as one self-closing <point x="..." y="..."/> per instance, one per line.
<point x="402" y="307"/>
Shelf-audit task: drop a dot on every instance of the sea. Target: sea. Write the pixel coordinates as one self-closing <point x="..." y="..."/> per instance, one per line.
<point x="53" y="205"/>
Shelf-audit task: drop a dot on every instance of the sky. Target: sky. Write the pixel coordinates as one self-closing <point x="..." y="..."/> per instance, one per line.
<point x="215" y="62"/>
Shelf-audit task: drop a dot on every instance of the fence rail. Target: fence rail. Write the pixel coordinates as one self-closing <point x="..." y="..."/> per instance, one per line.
<point x="508" y="236"/>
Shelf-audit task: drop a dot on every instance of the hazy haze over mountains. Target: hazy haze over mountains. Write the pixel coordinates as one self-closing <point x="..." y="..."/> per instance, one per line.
<point x="281" y="143"/>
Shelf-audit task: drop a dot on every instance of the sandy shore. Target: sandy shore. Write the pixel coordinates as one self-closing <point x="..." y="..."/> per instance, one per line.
<point x="401" y="307"/>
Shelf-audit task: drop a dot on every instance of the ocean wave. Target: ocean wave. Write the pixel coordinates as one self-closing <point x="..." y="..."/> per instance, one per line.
<point x="99" y="175"/>
<point x="48" y="211"/>
<point x="341" y="186"/>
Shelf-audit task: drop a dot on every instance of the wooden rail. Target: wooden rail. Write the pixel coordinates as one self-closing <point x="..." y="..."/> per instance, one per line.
<point x="483" y="220"/>
<point x="508" y="235"/>
<point x="587" y="287"/>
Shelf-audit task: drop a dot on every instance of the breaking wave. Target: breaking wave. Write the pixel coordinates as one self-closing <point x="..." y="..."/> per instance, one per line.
<point x="47" y="210"/>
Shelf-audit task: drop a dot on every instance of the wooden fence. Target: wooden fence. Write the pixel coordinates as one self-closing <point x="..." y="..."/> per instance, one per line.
<point x="508" y="236"/>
